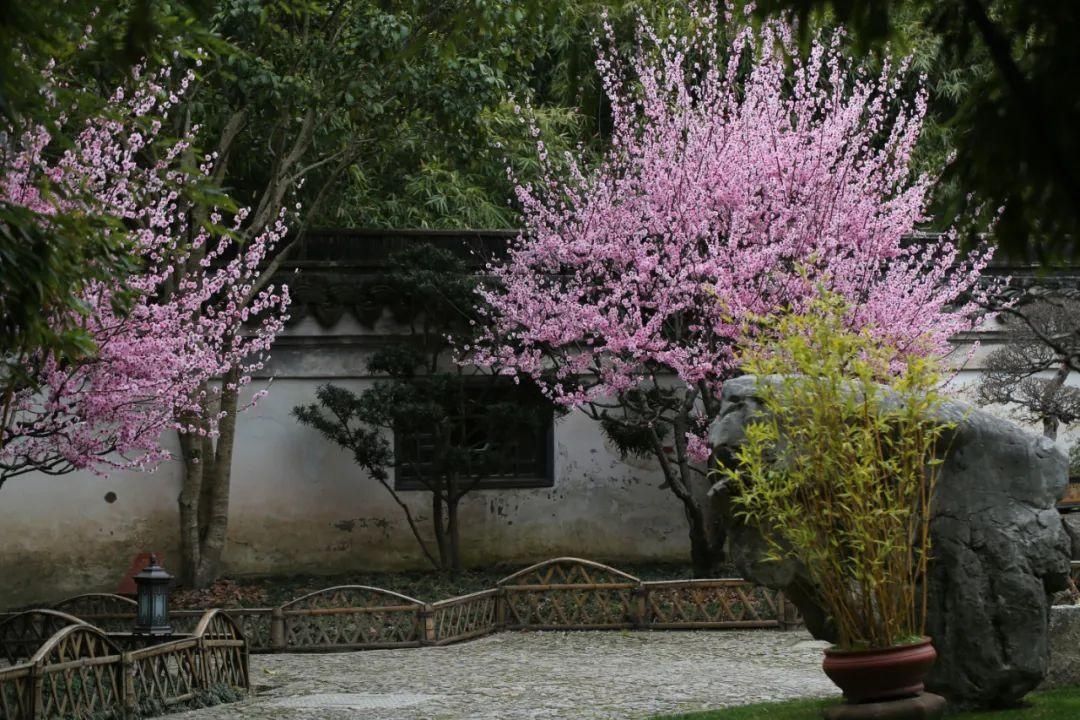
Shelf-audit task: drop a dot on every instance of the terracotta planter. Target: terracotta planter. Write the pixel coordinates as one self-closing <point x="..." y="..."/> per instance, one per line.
<point x="886" y="674"/>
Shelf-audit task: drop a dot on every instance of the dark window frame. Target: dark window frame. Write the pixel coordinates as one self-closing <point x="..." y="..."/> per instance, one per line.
<point x="545" y="479"/>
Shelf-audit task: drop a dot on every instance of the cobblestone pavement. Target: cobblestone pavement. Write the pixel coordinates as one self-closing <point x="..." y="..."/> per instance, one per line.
<point x="536" y="676"/>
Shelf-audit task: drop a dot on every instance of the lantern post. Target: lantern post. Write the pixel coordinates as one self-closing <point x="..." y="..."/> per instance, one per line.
<point x="152" y="595"/>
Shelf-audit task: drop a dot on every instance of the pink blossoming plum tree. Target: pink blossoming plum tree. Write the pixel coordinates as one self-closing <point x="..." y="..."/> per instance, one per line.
<point x="740" y="177"/>
<point x="174" y="343"/>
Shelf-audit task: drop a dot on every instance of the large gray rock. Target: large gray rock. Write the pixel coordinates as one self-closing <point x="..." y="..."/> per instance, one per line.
<point x="1064" y="668"/>
<point x="1071" y="521"/>
<point x="999" y="551"/>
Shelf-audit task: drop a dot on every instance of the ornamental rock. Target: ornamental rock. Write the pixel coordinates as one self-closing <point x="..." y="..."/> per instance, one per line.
<point x="999" y="551"/>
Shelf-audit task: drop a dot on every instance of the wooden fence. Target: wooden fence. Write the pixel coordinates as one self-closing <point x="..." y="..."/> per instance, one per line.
<point x="77" y="660"/>
<point x="80" y="671"/>
<point x="562" y="594"/>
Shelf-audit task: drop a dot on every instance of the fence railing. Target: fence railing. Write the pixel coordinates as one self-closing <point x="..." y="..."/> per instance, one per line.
<point x="558" y="594"/>
<point x="563" y="593"/>
<point x="463" y="618"/>
<point x="82" y="672"/>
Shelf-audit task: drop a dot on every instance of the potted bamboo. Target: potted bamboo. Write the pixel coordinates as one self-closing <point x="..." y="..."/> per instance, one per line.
<point x="838" y="471"/>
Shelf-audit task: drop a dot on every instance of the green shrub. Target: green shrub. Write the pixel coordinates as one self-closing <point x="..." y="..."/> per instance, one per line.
<point x="839" y="468"/>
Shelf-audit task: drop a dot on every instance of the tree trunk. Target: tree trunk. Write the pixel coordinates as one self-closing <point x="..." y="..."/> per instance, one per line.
<point x="706" y="551"/>
<point x="216" y="520"/>
<point x="191" y="448"/>
<point x="1051" y="422"/>
<point x="204" y="497"/>
<point x="454" y="559"/>
<point x="706" y="538"/>
<point x="438" y="522"/>
<point x="1050" y="427"/>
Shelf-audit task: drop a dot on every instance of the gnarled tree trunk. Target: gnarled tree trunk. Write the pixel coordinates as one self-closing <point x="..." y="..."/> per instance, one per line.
<point x="706" y="534"/>
<point x="204" y="495"/>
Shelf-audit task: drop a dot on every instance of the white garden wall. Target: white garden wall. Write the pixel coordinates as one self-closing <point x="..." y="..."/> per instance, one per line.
<point x="300" y="505"/>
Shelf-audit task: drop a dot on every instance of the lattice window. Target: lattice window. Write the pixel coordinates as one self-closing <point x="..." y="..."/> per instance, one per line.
<point x="513" y="453"/>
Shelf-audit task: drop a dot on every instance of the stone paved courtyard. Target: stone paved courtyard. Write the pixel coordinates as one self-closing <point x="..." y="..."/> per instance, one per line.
<point x="538" y="675"/>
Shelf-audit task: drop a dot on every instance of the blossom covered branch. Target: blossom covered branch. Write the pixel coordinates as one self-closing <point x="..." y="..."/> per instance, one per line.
<point x="741" y="176"/>
<point x="189" y="316"/>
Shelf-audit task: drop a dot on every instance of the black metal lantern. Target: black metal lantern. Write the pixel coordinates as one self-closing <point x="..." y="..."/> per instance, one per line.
<point x="152" y="594"/>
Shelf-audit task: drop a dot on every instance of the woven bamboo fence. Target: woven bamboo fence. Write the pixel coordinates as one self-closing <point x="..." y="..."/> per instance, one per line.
<point x="463" y="618"/>
<point x="348" y="617"/>
<point x="570" y="594"/>
<point x="82" y="672"/>
<point x="111" y="613"/>
<point x="559" y="594"/>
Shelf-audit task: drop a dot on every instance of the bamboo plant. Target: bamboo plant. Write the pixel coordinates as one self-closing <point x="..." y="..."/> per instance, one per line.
<point x="839" y="467"/>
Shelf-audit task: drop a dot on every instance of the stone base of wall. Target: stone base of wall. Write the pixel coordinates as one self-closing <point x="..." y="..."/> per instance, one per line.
<point x="1064" y="647"/>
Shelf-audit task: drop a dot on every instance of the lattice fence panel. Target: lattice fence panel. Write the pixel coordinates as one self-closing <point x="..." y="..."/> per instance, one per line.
<point x="709" y="603"/>
<point x="23" y="633"/>
<point x="570" y="593"/>
<point x="352" y="628"/>
<point x="224" y="653"/>
<point x="81" y="675"/>
<point x="253" y="622"/>
<point x="16" y="688"/>
<point x="111" y="613"/>
<point x="255" y="625"/>
<point x="568" y="571"/>
<point x="166" y="674"/>
<point x="465" y="617"/>
<point x="352" y="617"/>
<point x="569" y="608"/>
<point x="183" y="622"/>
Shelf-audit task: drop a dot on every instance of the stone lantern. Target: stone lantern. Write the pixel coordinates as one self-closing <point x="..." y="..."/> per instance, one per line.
<point x="152" y="595"/>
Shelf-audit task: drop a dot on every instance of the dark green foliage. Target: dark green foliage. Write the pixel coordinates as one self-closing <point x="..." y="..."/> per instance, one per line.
<point x="40" y="268"/>
<point x="631" y="434"/>
<point x="1005" y="99"/>
<point x="469" y="422"/>
<point x="124" y="33"/>
<point x="335" y="416"/>
<point x="46" y="261"/>
<point x="415" y="102"/>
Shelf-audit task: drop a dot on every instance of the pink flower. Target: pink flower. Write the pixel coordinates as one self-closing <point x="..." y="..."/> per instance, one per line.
<point x="155" y="365"/>
<point x="729" y="191"/>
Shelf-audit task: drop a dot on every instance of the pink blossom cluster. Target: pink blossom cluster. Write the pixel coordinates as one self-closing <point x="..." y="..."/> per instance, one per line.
<point x="196" y="313"/>
<point x="741" y="176"/>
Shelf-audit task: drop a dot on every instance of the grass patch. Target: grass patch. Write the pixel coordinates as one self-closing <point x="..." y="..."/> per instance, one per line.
<point x="1060" y="704"/>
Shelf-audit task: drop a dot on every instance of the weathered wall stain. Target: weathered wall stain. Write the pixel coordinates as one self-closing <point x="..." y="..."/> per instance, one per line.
<point x="300" y="505"/>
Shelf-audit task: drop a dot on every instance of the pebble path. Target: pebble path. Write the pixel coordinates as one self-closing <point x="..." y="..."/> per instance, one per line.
<point x="536" y="676"/>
